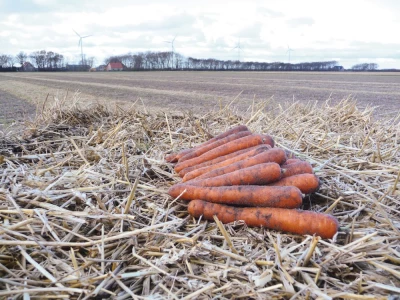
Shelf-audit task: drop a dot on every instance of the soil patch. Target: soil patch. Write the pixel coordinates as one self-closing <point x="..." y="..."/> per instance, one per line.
<point x="14" y="110"/>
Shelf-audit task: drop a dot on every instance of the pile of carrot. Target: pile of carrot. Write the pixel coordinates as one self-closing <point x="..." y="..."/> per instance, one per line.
<point x="240" y="175"/>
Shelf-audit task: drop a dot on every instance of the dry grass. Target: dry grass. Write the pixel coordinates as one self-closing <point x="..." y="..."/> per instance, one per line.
<point x="84" y="211"/>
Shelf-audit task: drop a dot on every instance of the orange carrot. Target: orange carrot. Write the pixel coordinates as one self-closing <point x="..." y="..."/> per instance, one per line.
<point x="300" y="167"/>
<point x="255" y="175"/>
<point x="242" y="195"/>
<point x="307" y="183"/>
<point x="235" y="155"/>
<point x="276" y="155"/>
<point x="289" y="220"/>
<point x="236" y="159"/>
<point x="203" y="149"/>
<point x="174" y="157"/>
<point x="292" y="161"/>
<point x="239" y="144"/>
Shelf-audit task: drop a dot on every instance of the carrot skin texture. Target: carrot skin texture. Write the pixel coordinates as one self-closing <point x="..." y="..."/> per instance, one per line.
<point x="243" y="195"/>
<point x="171" y="157"/>
<point x="234" y="155"/>
<point x="290" y="161"/>
<point x="289" y="220"/>
<point x="276" y="155"/>
<point x="255" y="175"/>
<point x="307" y="183"/>
<point x="174" y="157"/>
<point x="239" y="144"/>
<point x="203" y="149"/>
<point x="236" y="159"/>
<point x="228" y="132"/>
<point x="301" y="167"/>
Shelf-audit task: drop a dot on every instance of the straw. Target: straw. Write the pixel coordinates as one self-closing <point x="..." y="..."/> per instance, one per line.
<point x="84" y="209"/>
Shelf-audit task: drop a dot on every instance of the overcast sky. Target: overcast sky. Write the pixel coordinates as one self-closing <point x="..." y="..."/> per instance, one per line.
<point x="349" y="31"/>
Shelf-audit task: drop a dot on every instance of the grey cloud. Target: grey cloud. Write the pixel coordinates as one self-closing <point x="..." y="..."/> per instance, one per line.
<point x="20" y="6"/>
<point x="28" y="7"/>
<point x="208" y="18"/>
<point x="221" y="43"/>
<point x="180" y="25"/>
<point x="356" y="49"/>
<point x="300" y="22"/>
<point x="252" y="31"/>
<point x="32" y="7"/>
<point x="270" y="13"/>
<point x="177" y="23"/>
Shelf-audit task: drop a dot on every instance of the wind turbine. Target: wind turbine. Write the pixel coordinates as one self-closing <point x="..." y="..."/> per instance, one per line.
<point x="172" y="51"/>
<point x="288" y="51"/>
<point x="239" y="49"/>
<point x="80" y="43"/>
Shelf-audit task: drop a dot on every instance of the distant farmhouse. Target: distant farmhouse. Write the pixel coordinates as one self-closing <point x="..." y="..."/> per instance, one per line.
<point x="101" y="68"/>
<point x="27" y="67"/>
<point x="77" y="68"/>
<point x="338" y="68"/>
<point x="115" y="66"/>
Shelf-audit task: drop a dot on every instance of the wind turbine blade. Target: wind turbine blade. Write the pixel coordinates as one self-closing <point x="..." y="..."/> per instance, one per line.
<point x="87" y="36"/>
<point x="80" y="42"/>
<point x="76" y="33"/>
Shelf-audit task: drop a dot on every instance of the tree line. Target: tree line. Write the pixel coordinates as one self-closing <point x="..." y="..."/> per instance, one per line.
<point x="44" y="60"/>
<point x="40" y="59"/>
<point x="365" y="67"/>
<point x="170" y="60"/>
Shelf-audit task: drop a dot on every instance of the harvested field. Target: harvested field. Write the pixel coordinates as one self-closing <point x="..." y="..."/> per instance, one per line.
<point x="85" y="214"/>
<point x="13" y="110"/>
<point x="200" y="91"/>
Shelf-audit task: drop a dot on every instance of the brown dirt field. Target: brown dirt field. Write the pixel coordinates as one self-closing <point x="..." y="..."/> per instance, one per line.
<point x="13" y="110"/>
<point x="200" y="91"/>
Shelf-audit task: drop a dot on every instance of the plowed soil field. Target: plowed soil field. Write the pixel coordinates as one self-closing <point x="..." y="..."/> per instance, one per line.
<point x="196" y="91"/>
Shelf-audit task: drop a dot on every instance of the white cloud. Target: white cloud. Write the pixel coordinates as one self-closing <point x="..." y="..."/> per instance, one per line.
<point x="316" y="30"/>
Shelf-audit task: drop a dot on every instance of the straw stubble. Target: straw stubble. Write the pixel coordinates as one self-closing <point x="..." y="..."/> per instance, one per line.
<point x="84" y="209"/>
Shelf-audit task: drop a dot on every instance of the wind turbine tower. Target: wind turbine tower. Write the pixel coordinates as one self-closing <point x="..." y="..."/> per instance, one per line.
<point x="239" y="48"/>
<point x="172" y="51"/>
<point x="80" y="43"/>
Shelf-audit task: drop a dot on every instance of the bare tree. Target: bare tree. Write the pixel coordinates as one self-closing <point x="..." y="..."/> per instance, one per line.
<point x="373" y="66"/>
<point x="58" y="60"/>
<point x="90" y="61"/>
<point x="11" y="61"/>
<point x="4" y="60"/>
<point x="39" y="58"/>
<point x="7" y="61"/>
<point x="21" y="57"/>
<point x="365" y="67"/>
<point x="178" y="61"/>
<point x="49" y="59"/>
<point x="138" y="61"/>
